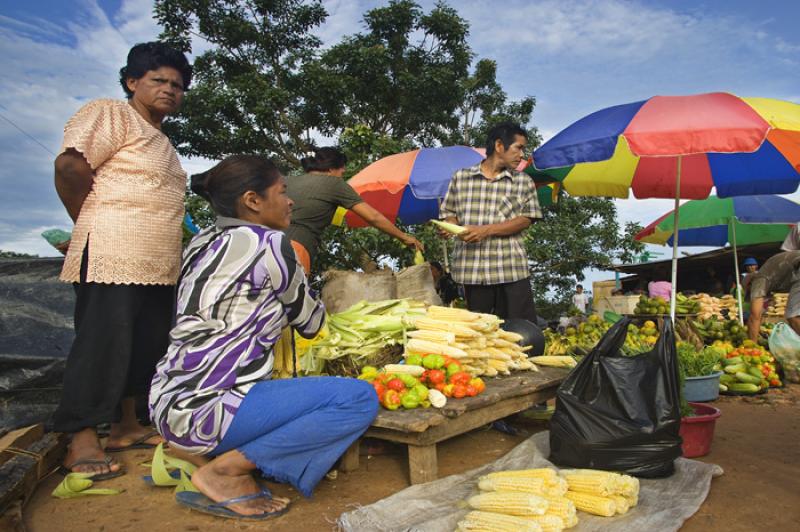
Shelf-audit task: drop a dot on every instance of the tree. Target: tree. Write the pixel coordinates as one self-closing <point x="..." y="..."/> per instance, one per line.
<point x="575" y="234"/>
<point x="246" y="96"/>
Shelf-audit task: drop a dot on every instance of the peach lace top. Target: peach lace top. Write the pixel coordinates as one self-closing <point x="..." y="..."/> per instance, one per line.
<point x="132" y="216"/>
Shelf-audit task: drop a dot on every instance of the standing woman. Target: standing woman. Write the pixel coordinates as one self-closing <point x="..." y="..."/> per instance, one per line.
<point x="212" y="395"/>
<point x="119" y="178"/>
<point x="317" y="194"/>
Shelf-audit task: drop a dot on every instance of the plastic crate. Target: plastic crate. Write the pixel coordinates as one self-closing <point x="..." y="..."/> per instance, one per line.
<point x="618" y="304"/>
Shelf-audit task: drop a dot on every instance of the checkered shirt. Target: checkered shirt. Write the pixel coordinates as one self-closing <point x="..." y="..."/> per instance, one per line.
<point x="476" y="200"/>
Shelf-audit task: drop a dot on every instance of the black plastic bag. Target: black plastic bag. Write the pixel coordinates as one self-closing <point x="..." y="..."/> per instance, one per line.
<point x="620" y="413"/>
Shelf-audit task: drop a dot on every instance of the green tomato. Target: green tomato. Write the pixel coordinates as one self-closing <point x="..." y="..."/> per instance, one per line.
<point x="410" y="401"/>
<point x="370" y="372"/>
<point x="414" y="360"/>
<point x="421" y="391"/>
<point x="453" y="368"/>
<point x="438" y="361"/>
<point x="409" y="380"/>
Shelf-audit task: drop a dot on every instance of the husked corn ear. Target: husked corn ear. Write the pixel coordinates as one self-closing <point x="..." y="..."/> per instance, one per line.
<point x="560" y="506"/>
<point x="510" y="503"/>
<point x="518" y="484"/>
<point x="592" y="483"/>
<point x="456" y="328"/>
<point x="628" y="486"/>
<point x="556" y="487"/>
<point x="541" y="472"/>
<point x="510" y="336"/>
<point x="476" y="521"/>
<point x="407" y="369"/>
<point x="549" y="523"/>
<point x="633" y="500"/>
<point x="442" y="337"/>
<point x="571" y="521"/>
<point x="496" y="353"/>
<point x="425" y="347"/>
<point x="622" y="503"/>
<point x="454" y="314"/>
<point x="499" y="365"/>
<point x="490" y="372"/>
<point x="555" y="361"/>
<point x="592" y="504"/>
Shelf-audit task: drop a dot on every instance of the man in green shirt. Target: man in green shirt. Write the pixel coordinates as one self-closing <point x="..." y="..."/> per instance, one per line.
<point x="781" y="273"/>
<point x="317" y="194"/>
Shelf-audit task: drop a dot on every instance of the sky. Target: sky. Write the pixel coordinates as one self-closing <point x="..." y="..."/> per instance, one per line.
<point x="574" y="56"/>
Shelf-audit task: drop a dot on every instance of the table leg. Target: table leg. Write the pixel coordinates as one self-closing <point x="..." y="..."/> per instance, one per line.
<point x="349" y="460"/>
<point x="422" y="464"/>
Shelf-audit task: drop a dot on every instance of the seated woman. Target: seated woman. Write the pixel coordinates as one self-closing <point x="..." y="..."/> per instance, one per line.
<point x="212" y="395"/>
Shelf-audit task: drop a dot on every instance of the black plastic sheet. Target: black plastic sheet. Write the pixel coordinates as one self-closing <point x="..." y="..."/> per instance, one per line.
<point x="620" y="413"/>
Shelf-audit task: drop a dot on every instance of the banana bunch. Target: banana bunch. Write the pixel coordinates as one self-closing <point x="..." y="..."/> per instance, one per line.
<point x="711" y="330"/>
<point x="686" y="305"/>
<point x="474" y="339"/>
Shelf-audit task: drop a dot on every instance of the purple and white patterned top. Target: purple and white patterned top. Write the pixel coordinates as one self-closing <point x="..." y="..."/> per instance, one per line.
<point x="240" y="286"/>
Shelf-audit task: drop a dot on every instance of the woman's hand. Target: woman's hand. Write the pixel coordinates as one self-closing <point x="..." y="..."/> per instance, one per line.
<point x="409" y="240"/>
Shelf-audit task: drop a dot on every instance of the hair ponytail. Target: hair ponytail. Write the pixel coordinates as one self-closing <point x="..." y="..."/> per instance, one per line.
<point x="197" y="184"/>
<point x="224" y="184"/>
<point x="324" y="159"/>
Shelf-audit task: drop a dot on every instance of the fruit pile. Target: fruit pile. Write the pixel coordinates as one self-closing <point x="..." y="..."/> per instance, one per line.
<point x="715" y="307"/>
<point x="777" y="307"/>
<point x="658" y="305"/>
<point x="711" y="330"/>
<point x="422" y="382"/>
<point x="748" y="370"/>
<point x="580" y="340"/>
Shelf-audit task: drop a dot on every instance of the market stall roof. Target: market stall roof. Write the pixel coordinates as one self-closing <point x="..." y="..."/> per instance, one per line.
<point x="718" y="258"/>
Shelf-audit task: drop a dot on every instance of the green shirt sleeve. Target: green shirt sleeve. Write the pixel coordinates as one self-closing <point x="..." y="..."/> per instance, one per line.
<point x="343" y="194"/>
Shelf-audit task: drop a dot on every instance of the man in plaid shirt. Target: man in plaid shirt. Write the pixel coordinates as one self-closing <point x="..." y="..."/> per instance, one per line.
<point x="496" y="204"/>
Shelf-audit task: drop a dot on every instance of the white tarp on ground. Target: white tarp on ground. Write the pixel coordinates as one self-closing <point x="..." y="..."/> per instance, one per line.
<point x="664" y="504"/>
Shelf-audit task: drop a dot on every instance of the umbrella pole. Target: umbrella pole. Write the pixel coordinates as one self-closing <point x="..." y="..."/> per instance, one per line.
<point x="675" y="243"/>
<point x="736" y="267"/>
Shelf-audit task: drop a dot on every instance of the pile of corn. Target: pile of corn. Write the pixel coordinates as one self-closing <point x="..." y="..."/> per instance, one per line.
<point x="601" y="492"/>
<point x="528" y="499"/>
<point x="777" y="307"/>
<point x="475" y="340"/>
<point x="712" y="307"/>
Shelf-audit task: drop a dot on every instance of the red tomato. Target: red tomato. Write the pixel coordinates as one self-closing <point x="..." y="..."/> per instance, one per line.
<point x="461" y="377"/>
<point x="380" y="388"/>
<point x="471" y="390"/>
<point x="459" y="391"/>
<point x="396" y="385"/>
<point x="478" y="384"/>
<point x="435" y="376"/>
<point x="391" y="400"/>
<point x="440" y="386"/>
<point x="447" y="390"/>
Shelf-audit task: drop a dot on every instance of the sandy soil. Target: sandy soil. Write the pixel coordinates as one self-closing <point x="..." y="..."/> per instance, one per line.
<point x="756" y="443"/>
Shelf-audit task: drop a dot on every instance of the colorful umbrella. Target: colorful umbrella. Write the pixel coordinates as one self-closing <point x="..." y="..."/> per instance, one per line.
<point x="678" y="147"/>
<point x="409" y="185"/>
<point x="717" y="221"/>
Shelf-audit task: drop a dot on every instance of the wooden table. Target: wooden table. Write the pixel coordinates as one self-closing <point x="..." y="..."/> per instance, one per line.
<point x="422" y="429"/>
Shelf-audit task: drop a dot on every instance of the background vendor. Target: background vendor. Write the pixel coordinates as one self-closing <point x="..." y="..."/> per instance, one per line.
<point x="317" y="194"/>
<point x="781" y="273"/>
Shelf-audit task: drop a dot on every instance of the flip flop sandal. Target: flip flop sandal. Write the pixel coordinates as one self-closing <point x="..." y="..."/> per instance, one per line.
<point x="107" y="461"/>
<point x="199" y="502"/>
<point x="165" y="471"/>
<point x="174" y="475"/>
<point x="79" y="485"/>
<point x="138" y="443"/>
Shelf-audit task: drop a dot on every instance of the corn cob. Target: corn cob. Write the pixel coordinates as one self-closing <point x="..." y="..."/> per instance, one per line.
<point x="493" y="522"/>
<point x="499" y="365"/>
<point x="556" y="361"/>
<point x="556" y="487"/>
<point x="407" y="369"/>
<point x="570" y="521"/>
<point x="548" y="523"/>
<point x="561" y="507"/>
<point x="520" y="504"/>
<point x="442" y="337"/>
<point x="449" y="227"/>
<point x="504" y="344"/>
<point x="425" y="347"/>
<point x="622" y="504"/>
<point x="451" y="314"/>
<point x="496" y="353"/>
<point x="458" y="329"/>
<point x="628" y="486"/>
<point x="490" y="372"/>
<point x="510" y="336"/>
<point x="541" y="472"/>
<point x="476" y="353"/>
<point x="592" y="504"/>
<point x="592" y="483"/>
<point x="633" y="499"/>
<point x="516" y="484"/>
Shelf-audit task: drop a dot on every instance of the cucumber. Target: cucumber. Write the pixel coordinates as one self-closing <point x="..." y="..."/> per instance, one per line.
<point x="755" y="372"/>
<point x="735" y="368"/>
<point x="727" y="379"/>
<point x="743" y="387"/>
<point x="734" y="360"/>
<point x="723" y="388"/>
<point x="741" y="376"/>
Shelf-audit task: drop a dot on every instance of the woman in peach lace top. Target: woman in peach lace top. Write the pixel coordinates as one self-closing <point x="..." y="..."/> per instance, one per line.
<point x="119" y="178"/>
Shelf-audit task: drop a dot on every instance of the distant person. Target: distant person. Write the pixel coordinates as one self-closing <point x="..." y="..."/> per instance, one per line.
<point x="580" y="299"/>
<point x="445" y="286"/>
<point x="317" y="194"/>
<point x="750" y="268"/>
<point x="781" y="273"/>
<point x="658" y="287"/>
<point x="122" y="184"/>
<point x="792" y="240"/>
<point x="496" y="204"/>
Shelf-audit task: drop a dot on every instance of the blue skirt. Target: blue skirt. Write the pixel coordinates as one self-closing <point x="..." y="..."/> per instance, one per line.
<point x="294" y="430"/>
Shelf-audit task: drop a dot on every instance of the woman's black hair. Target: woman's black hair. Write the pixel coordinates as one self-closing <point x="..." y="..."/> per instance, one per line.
<point x="225" y="183"/>
<point x="148" y="56"/>
<point x="324" y="159"/>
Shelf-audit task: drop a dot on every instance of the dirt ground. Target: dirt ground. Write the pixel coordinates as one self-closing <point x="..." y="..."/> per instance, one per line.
<point x="756" y="443"/>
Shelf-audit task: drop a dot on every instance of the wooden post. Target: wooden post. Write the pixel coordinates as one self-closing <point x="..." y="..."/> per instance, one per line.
<point x="349" y="460"/>
<point x="422" y="465"/>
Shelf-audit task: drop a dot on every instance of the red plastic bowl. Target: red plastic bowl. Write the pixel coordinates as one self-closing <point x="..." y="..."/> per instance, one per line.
<point x="698" y="431"/>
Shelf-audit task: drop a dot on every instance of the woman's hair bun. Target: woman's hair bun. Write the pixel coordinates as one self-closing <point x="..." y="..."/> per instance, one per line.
<point x="197" y="184"/>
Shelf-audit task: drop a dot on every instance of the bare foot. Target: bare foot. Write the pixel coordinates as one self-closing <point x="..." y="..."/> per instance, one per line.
<point x="226" y="477"/>
<point x="86" y="446"/>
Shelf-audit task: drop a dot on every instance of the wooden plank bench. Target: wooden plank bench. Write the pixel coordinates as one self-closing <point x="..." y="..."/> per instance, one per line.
<point x="422" y="429"/>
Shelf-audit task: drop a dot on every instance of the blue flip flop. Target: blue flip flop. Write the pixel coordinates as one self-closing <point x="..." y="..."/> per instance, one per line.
<point x="201" y="503"/>
<point x="148" y="479"/>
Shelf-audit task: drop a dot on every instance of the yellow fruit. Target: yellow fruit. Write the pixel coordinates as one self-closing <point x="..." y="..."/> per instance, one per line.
<point x="649" y="324"/>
